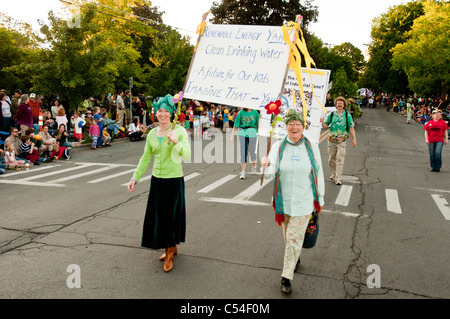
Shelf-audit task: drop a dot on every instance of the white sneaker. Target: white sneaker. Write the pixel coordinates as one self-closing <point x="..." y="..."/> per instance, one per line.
<point x="242" y="175"/>
<point x="253" y="170"/>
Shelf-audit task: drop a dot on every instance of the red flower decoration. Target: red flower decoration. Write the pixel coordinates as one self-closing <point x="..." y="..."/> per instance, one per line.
<point x="273" y="107"/>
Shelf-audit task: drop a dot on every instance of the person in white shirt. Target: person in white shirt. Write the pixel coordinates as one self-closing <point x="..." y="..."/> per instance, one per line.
<point x="136" y="130"/>
<point x="120" y="107"/>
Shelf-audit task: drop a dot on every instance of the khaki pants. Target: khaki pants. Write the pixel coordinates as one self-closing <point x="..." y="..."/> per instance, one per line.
<point x="23" y="129"/>
<point x="336" y="157"/>
<point x="120" y="113"/>
<point x="48" y="145"/>
<point x="225" y="127"/>
<point x="294" y="229"/>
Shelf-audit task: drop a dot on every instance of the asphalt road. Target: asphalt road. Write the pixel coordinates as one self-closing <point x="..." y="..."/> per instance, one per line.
<point x="387" y="227"/>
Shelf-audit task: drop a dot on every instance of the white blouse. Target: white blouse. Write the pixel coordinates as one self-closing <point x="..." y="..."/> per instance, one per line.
<point x="296" y="178"/>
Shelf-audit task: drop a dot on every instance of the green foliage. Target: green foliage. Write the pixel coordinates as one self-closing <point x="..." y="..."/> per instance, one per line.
<point x="425" y="55"/>
<point x="329" y="59"/>
<point x="387" y="31"/>
<point x="342" y="86"/>
<point x="262" y="12"/>
<point x="18" y="47"/>
<point x="170" y="61"/>
<point x="347" y="49"/>
<point x="99" y="55"/>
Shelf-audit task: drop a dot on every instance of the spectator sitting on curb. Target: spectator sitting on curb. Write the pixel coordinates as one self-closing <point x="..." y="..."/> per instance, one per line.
<point x="48" y="142"/>
<point x="106" y="138"/>
<point x="110" y="125"/>
<point x="13" y="139"/>
<point x="30" y="152"/>
<point x="136" y="130"/>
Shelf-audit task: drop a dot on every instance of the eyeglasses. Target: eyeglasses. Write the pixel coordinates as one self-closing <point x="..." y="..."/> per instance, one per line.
<point x="294" y="124"/>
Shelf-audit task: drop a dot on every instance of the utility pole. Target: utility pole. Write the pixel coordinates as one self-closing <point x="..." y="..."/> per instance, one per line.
<point x="131" y="98"/>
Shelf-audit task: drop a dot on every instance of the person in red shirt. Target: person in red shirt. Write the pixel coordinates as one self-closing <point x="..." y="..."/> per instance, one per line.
<point x="190" y="113"/>
<point x="436" y="135"/>
<point x="34" y="106"/>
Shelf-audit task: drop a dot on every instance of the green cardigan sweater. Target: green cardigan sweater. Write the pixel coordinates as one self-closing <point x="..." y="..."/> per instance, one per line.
<point x="167" y="163"/>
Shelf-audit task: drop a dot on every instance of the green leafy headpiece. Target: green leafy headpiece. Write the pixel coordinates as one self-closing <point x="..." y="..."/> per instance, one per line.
<point x="167" y="104"/>
<point x="293" y="115"/>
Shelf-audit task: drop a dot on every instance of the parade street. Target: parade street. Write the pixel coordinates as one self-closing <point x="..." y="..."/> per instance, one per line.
<point x="384" y="233"/>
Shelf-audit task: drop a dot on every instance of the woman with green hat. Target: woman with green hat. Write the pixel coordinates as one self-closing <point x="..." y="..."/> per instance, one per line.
<point x="165" y="218"/>
<point x="298" y="189"/>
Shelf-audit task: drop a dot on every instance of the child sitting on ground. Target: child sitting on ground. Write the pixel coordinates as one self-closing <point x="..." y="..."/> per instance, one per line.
<point x="94" y="132"/>
<point x="10" y="157"/>
<point x="106" y="138"/>
<point x="29" y="152"/>
<point x="58" y="151"/>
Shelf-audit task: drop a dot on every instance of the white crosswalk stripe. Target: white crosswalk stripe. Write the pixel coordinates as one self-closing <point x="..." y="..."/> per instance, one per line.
<point x="345" y="193"/>
<point x="45" y="176"/>
<point x="216" y="184"/>
<point x="89" y="173"/>
<point x="442" y="205"/>
<point x="99" y="180"/>
<point x="58" y="172"/>
<point x="393" y="202"/>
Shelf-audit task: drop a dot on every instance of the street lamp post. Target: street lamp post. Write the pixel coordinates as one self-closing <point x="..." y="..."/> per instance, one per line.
<point x="131" y="97"/>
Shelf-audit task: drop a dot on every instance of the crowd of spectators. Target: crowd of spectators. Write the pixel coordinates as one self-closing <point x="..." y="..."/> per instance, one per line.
<point x="421" y="108"/>
<point x="35" y="131"/>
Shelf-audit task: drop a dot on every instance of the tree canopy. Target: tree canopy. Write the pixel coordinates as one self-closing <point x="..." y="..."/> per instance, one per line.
<point x="263" y="12"/>
<point x="387" y="31"/>
<point x="98" y="50"/>
<point x="425" y="56"/>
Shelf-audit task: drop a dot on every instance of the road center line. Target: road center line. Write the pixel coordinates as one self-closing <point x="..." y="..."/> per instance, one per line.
<point x="392" y="201"/>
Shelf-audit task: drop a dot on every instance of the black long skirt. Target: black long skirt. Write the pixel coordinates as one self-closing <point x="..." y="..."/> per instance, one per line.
<point x="165" y="218"/>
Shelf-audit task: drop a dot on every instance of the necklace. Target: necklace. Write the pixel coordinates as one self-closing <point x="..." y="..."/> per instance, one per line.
<point x="162" y="130"/>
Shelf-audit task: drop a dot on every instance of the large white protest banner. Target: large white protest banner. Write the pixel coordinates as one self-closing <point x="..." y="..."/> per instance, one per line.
<point x="238" y="65"/>
<point x="315" y="96"/>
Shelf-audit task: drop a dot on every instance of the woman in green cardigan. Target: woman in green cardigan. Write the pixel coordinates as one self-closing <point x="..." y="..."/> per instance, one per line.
<point x="165" y="218"/>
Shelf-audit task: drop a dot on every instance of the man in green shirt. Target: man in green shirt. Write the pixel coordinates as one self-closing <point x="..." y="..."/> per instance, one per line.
<point x="340" y="124"/>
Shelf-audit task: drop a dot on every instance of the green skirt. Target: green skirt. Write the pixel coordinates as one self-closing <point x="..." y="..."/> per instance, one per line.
<point x="165" y="218"/>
